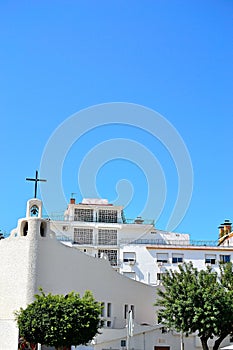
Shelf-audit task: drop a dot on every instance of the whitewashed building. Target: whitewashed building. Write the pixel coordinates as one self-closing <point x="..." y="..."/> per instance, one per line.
<point x="107" y="243"/>
<point x="136" y="248"/>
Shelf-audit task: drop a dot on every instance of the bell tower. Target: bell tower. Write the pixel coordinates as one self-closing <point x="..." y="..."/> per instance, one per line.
<point x="33" y="225"/>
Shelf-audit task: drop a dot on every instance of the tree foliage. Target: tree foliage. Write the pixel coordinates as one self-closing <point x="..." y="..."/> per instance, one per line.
<point x="58" y="320"/>
<point x="198" y="301"/>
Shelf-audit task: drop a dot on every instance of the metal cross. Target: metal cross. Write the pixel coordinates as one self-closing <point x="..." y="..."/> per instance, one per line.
<point x="36" y="180"/>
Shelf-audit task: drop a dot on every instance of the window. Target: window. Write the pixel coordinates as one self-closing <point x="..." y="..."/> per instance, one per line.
<point x="109" y="324"/>
<point x="162" y="257"/>
<point x="102" y="309"/>
<point x="24" y="228"/>
<point x="83" y="215"/>
<point x="43" y="229"/>
<point x="210" y="259"/>
<point x="107" y="215"/>
<point x="111" y="254"/>
<point x="109" y="309"/>
<point x="177" y="258"/>
<point x="132" y="308"/>
<point x="107" y="237"/>
<point x="225" y="258"/>
<point x="159" y="276"/>
<point x="83" y="236"/>
<point x="126" y="309"/>
<point x="129" y="257"/>
<point x="123" y="343"/>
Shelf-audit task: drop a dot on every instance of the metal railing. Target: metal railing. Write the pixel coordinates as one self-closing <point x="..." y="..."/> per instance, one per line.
<point x="182" y="243"/>
<point x="61" y="217"/>
<point x="159" y="242"/>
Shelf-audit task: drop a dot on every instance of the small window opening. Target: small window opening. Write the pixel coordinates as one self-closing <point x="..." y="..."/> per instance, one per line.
<point x="102" y="309"/>
<point x="126" y="308"/>
<point x="25" y="229"/>
<point x="123" y="343"/>
<point x="109" y="307"/>
<point x="42" y="229"/>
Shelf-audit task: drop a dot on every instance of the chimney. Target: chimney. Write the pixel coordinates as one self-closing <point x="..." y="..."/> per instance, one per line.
<point x="227" y="227"/>
<point x="221" y="231"/>
<point x="72" y="200"/>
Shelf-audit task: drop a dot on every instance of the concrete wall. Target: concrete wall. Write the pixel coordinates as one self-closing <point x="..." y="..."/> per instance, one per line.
<point x="32" y="257"/>
<point x="17" y="280"/>
<point x="8" y="335"/>
<point x="61" y="269"/>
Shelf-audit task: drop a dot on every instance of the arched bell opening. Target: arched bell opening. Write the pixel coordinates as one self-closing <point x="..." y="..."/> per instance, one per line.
<point x="34" y="211"/>
<point x="24" y="228"/>
<point x="43" y="229"/>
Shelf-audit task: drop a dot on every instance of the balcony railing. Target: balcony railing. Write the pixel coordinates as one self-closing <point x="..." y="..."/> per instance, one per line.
<point x="159" y="242"/>
<point x="183" y="243"/>
<point x="61" y="217"/>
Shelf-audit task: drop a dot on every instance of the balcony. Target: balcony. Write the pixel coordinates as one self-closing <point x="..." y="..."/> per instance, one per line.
<point x="178" y="243"/>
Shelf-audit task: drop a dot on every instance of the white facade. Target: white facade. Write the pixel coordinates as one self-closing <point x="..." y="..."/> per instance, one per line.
<point x="32" y="257"/>
<point x="135" y="248"/>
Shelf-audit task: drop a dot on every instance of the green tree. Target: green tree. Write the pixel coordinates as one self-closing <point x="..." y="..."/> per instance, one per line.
<point x="198" y="301"/>
<point x="59" y="321"/>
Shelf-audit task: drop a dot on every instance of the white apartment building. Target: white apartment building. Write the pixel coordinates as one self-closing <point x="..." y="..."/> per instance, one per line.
<point x="33" y="257"/>
<point x="136" y="248"/>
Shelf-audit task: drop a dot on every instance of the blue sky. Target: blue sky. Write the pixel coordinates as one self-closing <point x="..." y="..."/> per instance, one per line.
<point x="174" y="57"/>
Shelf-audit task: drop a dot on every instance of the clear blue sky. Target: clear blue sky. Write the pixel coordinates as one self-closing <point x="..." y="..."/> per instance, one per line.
<point x="175" y="57"/>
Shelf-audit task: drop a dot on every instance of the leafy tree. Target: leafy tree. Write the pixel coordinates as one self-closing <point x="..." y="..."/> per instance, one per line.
<point x="198" y="301"/>
<point x="59" y="321"/>
<point x="226" y="275"/>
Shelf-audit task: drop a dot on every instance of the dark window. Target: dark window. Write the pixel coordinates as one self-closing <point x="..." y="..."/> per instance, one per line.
<point x="107" y="237"/>
<point x="126" y="308"/>
<point x="102" y="309"/>
<point x="107" y="215"/>
<point x="42" y="229"/>
<point x="111" y="254"/>
<point x="133" y="310"/>
<point x="210" y="261"/>
<point x="83" y="235"/>
<point x="123" y="343"/>
<point x="225" y="258"/>
<point x="83" y="215"/>
<point x="25" y="228"/>
<point x="109" y="309"/>
<point x="177" y="260"/>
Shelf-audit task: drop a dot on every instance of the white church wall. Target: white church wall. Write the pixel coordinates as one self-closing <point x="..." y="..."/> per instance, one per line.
<point x="8" y="335"/>
<point x="17" y="277"/>
<point x="61" y="269"/>
<point x="34" y="258"/>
